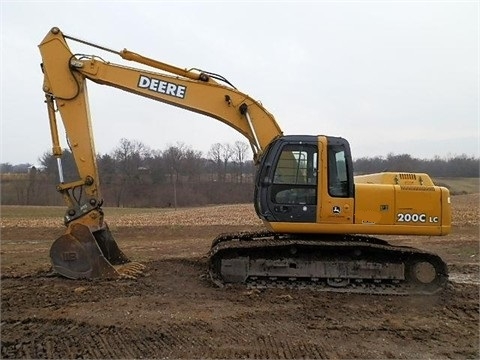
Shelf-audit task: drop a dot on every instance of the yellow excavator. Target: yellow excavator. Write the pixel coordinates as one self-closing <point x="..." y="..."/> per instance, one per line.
<point x="321" y="222"/>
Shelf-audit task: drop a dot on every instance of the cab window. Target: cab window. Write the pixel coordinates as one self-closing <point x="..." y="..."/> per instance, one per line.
<point x="295" y="177"/>
<point x="337" y="171"/>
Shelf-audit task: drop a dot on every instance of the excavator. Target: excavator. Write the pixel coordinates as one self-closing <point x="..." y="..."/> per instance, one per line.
<point x="321" y="222"/>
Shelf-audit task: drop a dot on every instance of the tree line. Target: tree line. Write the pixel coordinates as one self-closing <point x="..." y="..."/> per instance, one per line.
<point x="457" y="166"/>
<point x="133" y="175"/>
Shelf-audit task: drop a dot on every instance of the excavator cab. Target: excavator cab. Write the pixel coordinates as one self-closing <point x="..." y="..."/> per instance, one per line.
<point x="292" y="177"/>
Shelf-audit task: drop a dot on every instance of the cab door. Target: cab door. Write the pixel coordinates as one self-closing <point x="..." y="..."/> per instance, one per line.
<point x="337" y="192"/>
<point x="287" y="180"/>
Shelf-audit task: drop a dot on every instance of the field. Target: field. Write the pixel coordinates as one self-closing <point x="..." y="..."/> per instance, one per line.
<point x="459" y="185"/>
<point x="173" y="311"/>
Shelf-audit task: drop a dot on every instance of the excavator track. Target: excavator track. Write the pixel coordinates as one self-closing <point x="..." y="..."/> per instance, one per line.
<point x="334" y="263"/>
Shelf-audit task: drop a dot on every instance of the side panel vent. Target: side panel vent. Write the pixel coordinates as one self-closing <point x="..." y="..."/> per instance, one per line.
<point x="404" y="176"/>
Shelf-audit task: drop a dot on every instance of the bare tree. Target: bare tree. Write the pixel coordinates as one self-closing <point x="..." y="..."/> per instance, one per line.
<point x="174" y="157"/>
<point x="156" y="164"/>
<point x="227" y="153"/>
<point x="129" y="158"/>
<point x="240" y="150"/>
<point x="215" y="156"/>
<point x="220" y="154"/>
<point x="193" y="164"/>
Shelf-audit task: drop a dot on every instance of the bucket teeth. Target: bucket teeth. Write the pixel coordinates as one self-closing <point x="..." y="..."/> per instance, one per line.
<point x="130" y="270"/>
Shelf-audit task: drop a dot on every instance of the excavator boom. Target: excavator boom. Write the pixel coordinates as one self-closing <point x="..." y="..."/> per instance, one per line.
<point x="66" y="75"/>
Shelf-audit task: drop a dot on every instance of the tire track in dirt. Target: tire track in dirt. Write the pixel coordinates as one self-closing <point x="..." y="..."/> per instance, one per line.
<point x="267" y="348"/>
<point x="466" y="273"/>
<point x="45" y="338"/>
<point x="260" y="336"/>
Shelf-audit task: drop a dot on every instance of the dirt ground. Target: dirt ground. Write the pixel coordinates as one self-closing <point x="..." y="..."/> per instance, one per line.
<point x="173" y="311"/>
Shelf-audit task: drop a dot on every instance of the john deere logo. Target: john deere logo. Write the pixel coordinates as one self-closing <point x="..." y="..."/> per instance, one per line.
<point x="162" y="87"/>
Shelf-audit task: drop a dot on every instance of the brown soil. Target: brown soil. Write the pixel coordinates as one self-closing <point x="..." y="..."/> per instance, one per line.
<point x="175" y="312"/>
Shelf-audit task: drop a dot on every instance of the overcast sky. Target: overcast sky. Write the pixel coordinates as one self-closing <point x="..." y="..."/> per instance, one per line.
<point x="390" y="76"/>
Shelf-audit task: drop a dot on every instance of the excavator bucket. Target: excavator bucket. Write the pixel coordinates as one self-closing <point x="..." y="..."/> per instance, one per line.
<point x="81" y="254"/>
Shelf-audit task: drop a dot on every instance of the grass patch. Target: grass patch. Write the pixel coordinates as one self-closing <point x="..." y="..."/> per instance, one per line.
<point x="458" y="185"/>
<point x="20" y="211"/>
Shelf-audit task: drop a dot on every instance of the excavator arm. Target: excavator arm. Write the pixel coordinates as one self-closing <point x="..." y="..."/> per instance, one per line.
<point x="65" y="87"/>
